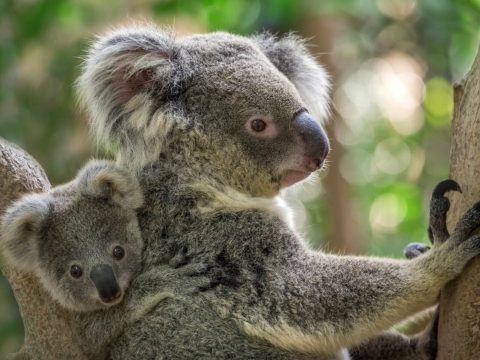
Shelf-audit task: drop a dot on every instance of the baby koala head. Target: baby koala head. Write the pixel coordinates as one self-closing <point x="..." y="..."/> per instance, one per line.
<point x="81" y="239"/>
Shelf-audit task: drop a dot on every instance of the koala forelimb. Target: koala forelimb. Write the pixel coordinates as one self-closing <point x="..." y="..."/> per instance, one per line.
<point x="423" y="325"/>
<point x="358" y="281"/>
<point x="438" y="234"/>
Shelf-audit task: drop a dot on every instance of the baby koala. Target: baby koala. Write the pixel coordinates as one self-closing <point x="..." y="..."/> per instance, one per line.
<point x="82" y="240"/>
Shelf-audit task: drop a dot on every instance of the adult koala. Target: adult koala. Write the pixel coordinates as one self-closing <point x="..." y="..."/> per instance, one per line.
<point x="215" y="126"/>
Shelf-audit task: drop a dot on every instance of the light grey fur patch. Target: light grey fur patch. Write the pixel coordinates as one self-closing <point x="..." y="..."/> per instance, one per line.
<point x="290" y="55"/>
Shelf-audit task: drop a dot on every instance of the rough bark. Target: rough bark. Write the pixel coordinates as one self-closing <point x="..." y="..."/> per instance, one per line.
<point x="459" y="329"/>
<point x="47" y="333"/>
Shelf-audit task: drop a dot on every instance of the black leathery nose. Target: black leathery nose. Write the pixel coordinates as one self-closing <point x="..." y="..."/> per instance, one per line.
<point x="104" y="279"/>
<point x="316" y="142"/>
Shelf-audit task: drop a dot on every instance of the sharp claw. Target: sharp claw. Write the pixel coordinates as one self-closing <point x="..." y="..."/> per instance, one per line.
<point x="445" y="186"/>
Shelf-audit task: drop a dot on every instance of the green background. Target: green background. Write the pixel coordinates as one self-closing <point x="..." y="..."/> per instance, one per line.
<point x="392" y="61"/>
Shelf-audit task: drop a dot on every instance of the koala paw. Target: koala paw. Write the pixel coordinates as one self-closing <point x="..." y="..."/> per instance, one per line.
<point x="463" y="244"/>
<point x="439" y="206"/>
<point x="467" y="225"/>
<point x="413" y="250"/>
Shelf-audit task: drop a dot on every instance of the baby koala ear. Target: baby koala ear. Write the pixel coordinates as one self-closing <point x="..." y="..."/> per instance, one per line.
<point x="104" y="180"/>
<point x="20" y="229"/>
<point x="290" y="56"/>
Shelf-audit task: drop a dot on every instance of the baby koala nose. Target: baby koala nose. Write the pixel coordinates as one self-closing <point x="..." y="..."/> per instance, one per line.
<point x="107" y="286"/>
<point x="109" y="299"/>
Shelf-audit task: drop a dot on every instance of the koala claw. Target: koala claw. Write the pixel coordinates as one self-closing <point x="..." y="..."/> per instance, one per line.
<point x="445" y="186"/>
<point x="439" y="206"/>
<point x="413" y="250"/>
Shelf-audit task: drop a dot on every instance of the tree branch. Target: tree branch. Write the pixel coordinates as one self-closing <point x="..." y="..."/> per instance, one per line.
<point x="47" y="329"/>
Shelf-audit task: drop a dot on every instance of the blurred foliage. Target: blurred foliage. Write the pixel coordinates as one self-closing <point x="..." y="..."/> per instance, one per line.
<point x="394" y="62"/>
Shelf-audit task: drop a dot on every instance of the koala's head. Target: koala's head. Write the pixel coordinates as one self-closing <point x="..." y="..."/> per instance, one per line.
<point x="81" y="239"/>
<point x="249" y="109"/>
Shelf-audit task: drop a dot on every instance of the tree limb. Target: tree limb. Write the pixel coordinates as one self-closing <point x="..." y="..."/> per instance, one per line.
<point x="47" y="329"/>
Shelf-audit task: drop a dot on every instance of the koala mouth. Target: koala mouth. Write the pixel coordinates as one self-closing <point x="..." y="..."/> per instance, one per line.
<point x="291" y="177"/>
<point x="300" y="172"/>
<point x="113" y="299"/>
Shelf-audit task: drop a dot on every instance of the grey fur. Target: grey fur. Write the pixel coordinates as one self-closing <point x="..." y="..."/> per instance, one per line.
<point x="290" y="55"/>
<point x="79" y="223"/>
<point x="211" y="195"/>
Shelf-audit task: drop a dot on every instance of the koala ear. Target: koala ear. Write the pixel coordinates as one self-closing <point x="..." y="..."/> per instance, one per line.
<point x="105" y="180"/>
<point x="20" y="228"/>
<point x="125" y="76"/>
<point x="290" y="55"/>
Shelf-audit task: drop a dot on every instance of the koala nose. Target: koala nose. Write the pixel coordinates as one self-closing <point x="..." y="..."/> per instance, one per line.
<point x="105" y="282"/>
<point x="314" y="139"/>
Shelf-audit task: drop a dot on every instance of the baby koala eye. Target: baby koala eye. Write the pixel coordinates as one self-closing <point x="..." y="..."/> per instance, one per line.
<point x="258" y="125"/>
<point x="118" y="252"/>
<point x="76" y="271"/>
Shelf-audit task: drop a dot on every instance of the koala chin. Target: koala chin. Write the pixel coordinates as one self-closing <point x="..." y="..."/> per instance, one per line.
<point x="80" y="239"/>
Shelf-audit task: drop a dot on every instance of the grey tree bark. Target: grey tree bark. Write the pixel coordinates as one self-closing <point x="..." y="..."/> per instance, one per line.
<point x="47" y="330"/>
<point x="459" y="326"/>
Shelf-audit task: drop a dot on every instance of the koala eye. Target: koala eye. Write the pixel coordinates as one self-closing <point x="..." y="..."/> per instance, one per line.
<point x="258" y="125"/>
<point x="261" y="126"/>
<point x="76" y="271"/>
<point x="118" y="252"/>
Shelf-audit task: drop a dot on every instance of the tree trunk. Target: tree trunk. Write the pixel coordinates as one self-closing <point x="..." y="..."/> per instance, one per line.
<point x="343" y="235"/>
<point x="459" y="328"/>
<point x="47" y="330"/>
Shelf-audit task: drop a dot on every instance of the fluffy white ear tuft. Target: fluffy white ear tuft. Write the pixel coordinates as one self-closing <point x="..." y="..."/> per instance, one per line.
<point x="20" y="229"/>
<point x="290" y="55"/>
<point x="104" y="180"/>
<point x="126" y="76"/>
